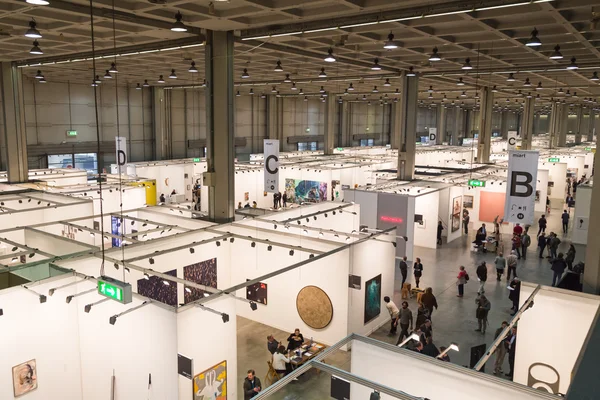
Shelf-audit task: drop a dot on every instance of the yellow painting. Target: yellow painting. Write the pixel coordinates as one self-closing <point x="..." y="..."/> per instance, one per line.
<point x="212" y="383"/>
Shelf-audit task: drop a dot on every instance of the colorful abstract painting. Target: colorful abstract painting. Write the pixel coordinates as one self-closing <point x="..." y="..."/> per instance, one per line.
<point x="212" y="383"/>
<point x="300" y="191"/>
<point x="24" y="378"/>
<point x="372" y="298"/>
<point x="204" y="273"/>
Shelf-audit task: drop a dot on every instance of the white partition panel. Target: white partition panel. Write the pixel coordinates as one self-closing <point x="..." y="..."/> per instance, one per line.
<point x="425" y="235"/>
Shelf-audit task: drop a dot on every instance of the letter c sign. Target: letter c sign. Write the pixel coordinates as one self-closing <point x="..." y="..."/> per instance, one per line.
<point x="268" y="164"/>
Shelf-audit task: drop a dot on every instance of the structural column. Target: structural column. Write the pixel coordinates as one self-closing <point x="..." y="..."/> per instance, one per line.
<point x="395" y="129"/>
<point x="441" y="124"/>
<point x="161" y="123"/>
<point x="527" y="124"/>
<point x="219" y="125"/>
<point x="536" y="123"/>
<point x="579" y="125"/>
<point x="485" y="125"/>
<point x="346" y="122"/>
<point x="407" y="134"/>
<point x="329" y="126"/>
<point x="591" y="125"/>
<point x="552" y="126"/>
<point x="274" y="119"/>
<point x="457" y="123"/>
<point x="591" y="274"/>
<point x="504" y="124"/>
<point x="13" y="118"/>
<point x="561" y="125"/>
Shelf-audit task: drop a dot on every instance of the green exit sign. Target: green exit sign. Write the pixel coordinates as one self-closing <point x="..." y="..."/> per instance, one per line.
<point x="71" y="133"/>
<point x="588" y="149"/>
<point x="554" y="159"/>
<point x="114" y="289"/>
<point x="476" y="183"/>
<point x="340" y="149"/>
<point x="196" y="160"/>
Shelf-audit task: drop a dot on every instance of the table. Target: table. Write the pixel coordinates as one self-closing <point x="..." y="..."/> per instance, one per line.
<point x="316" y="348"/>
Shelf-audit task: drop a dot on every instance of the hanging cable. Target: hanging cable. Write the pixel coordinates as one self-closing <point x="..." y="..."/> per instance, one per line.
<point x="97" y="133"/>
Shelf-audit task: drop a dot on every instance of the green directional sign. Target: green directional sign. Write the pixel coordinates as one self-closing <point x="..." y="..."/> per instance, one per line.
<point x="340" y="149"/>
<point x="588" y="149"/>
<point x="476" y="183"/>
<point x="114" y="289"/>
<point x="196" y="159"/>
<point x="71" y="133"/>
<point x="554" y="159"/>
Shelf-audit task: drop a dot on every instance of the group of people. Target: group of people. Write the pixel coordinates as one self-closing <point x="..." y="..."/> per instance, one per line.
<point x="508" y="345"/>
<point x="417" y="270"/>
<point x="277" y="200"/>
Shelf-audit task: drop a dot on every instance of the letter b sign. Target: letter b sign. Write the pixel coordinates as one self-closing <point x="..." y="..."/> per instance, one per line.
<point x="520" y="185"/>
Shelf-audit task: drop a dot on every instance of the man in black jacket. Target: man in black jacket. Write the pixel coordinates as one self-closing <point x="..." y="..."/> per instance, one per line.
<point x="542" y="223"/>
<point x="511" y="341"/>
<point x="482" y="276"/>
<point x="252" y="385"/>
<point x="558" y="266"/>
<point x="403" y="270"/>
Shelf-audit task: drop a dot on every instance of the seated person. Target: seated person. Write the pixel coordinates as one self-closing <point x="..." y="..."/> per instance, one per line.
<point x="281" y="363"/>
<point x="480" y="236"/>
<point x="173" y="193"/>
<point x="272" y="344"/>
<point x="162" y="198"/>
<point x="295" y="340"/>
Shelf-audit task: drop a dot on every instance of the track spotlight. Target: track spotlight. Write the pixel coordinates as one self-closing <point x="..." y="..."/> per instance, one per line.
<point x="291" y="252"/>
<point x="269" y="248"/>
<point x="112" y="319"/>
<point x="151" y="261"/>
<point x="376" y="66"/>
<point x="225" y="318"/>
<point x="391" y="43"/>
<point x="253" y="244"/>
<point x="435" y="56"/>
<point x="68" y="299"/>
<point x="330" y="57"/>
<point x="192" y="251"/>
<point x="245" y="74"/>
<point x="304" y="231"/>
<point x="467" y="64"/>
<point x="173" y="75"/>
<point x="322" y="74"/>
<point x="32" y="32"/>
<point x="278" y="67"/>
<point x="534" y="41"/>
<point x="218" y="243"/>
<point x="166" y="282"/>
<point x="231" y="240"/>
<point x="178" y="26"/>
<point x="36" y="48"/>
<point x="311" y="256"/>
<point x="87" y="308"/>
<point x="375" y="395"/>
<point x="253" y="306"/>
<point x="146" y="276"/>
<point x="116" y="265"/>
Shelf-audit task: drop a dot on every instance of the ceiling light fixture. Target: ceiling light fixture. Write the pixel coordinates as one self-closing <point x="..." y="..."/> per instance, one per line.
<point x="534" y="41"/>
<point x="38" y="2"/>
<point x="193" y="68"/>
<point x="113" y="68"/>
<point x="435" y="56"/>
<point x="387" y="83"/>
<point x="539" y="86"/>
<point x="301" y="92"/>
<point x="287" y="79"/>
<point x="160" y="79"/>
<point x="36" y="48"/>
<point x="376" y="66"/>
<point x="237" y="94"/>
<point x="32" y="32"/>
<point x="330" y="57"/>
<point x="322" y="74"/>
<point x="322" y="90"/>
<point x="39" y="75"/>
<point x="595" y="77"/>
<point x="278" y="67"/>
<point x="556" y="54"/>
<point x="573" y="65"/>
<point x="43" y="80"/>
<point x="390" y="44"/>
<point x="511" y="78"/>
<point x="245" y="74"/>
<point x="178" y="26"/>
<point x="97" y="80"/>
<point x="138" y="87"/>
<point x="173" y="75"/>
<point x="350" y="87"/>
<point x="146" y="84"/>
<point x="467" y="64"/>
<point x="375" y="90"/>
<point x="460" y="82"/>
<point x="411" y="72"/>
<point x="463" y="94"/>
<point x="293" y="86"/>
<point x="107" y="75"/>
<point x="273" y="89"/>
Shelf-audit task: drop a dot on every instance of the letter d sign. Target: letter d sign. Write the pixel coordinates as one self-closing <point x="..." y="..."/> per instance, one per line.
<point x="121" y="144"/>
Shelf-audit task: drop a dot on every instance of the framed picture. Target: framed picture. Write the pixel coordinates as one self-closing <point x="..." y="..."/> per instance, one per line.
<point x="155" y="288"/>
<point x="467" y="201"/>
<point x="372" y="298"/>
<point x="537" y="196"/>
<point x="212" y="383"/>
<point x="24" y="378"/>
<point x="354" y="282"/>
<point x="204" y="273"/>
<point x="257" y="292"/>
<point x="455" y="222"/>
<point x="246" y="196"/>
<point x="456" y="205"/>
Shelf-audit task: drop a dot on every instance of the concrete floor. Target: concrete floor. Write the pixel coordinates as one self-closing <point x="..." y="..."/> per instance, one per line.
<point x="454" y="321"/>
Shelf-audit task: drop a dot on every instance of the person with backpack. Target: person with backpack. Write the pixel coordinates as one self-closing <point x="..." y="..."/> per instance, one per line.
<point x="462" y="278"/>
<point x="482" y="276"/>
<point x="525" y="243"/>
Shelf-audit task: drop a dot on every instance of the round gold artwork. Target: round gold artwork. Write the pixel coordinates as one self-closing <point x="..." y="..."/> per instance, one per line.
<point x="314" y="307"/>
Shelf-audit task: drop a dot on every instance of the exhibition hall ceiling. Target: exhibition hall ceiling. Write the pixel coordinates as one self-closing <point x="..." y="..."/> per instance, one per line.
<point x="491" y="34"/>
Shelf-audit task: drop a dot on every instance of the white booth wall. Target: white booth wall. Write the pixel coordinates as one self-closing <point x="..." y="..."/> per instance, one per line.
<point x="572" y="161"/>
<point x="426" y="205"/>
<point x="542" y="186"/>
<point x="424" y="377"/>
<point x="475" y="222"/>
<point x="581" y="217"/>
<point x="557" y="173"/>
<point x="555" y="341"/>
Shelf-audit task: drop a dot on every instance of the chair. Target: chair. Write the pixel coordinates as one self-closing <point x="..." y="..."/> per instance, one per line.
<point x="405" y="291"/>
<point x="272" y="375"/>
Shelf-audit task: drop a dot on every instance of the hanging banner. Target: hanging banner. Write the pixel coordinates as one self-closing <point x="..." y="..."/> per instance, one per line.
<point x="121" y="145"/>
<point x="432" y="135"/>
<point x="271" y="151"/>
<point x="522" y="181"/>
<point x="512" y="140"/>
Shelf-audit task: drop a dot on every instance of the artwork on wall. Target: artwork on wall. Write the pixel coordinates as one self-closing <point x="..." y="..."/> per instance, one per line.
<point x="335" y="190"/>
<point x="246" y="196"/>
<point x="354" y="282"/>
<point x="300" y="191"/>
<point x="155" y="288"/>
<point x="257" y="292"/>
<point x="491" y="206"/>
<point x="314" y="307"/>
<point x="538" y="193"/>
<point x="24" y="378"/>
<point x="467" y="201"/>
<point x="456" y="213"/>
<point x="372" y="298"/>
<point x="115" y="224"/>
<point x="212" y="383"/>
<point x="184" y="366"/>
<point x="543" y="377"/>
<point x="582" y="223"/>
<point x="68" y="231"/>
<point x="204" y="273"/>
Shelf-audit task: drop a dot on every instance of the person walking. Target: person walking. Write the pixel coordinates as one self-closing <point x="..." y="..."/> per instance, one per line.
<point x="466" y="219"/>
<point x="570" y="257"/>
<point x="405" y="318"/>
<point x="518" y="229"/>
<point x="403" y="270"/>
<point x="565" y="221"/>
<point x="461" y="279"/>
<point x="525" y="243"/>
<point x="440" y="228"/>
<point x="553" y="245"/>
<point x="483" y="308"/>
<point x="284" y="198"/>
<point x="418" y="270"/>
<point x="542" y="243"/>
<point x="394" y="313"/>
<point x="542" y="223"/>
<point x="512" y="348"/>
<point x="279" y="196"/>
<point x="511" y="263"/>
<point x="558" y="266"/>
<point x="252" y="385"/>
<point x="481" y="276"/>
<point x="514" y="294"/>
<point x="500" y="263"/>
<point x="500" y="350"/>
<point x="429" y="301"/>
<point x="516" y="245"/>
